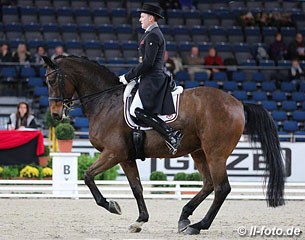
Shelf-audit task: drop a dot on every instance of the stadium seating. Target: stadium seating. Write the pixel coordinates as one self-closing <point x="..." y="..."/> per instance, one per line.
<point x="201" y="76"/>
<point x="10" y="14"/>
<point x="26" y="72"/>
<point x="83" y="14"/>
<point x="35" y="82"/>
<point x="108" y="31"/>
<point x="191" y="84"/>
<point x="81" y="122"/>
<point x="230" y="86"/>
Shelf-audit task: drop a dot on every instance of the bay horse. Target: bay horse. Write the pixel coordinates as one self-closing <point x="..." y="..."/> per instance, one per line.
<point x="211" y="121"/>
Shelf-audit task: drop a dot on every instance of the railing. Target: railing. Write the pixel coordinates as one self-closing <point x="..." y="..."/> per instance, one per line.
<point x="152" y="190"/>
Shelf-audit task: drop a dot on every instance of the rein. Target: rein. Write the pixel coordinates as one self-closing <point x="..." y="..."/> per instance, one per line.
<point x="67" y="102"/>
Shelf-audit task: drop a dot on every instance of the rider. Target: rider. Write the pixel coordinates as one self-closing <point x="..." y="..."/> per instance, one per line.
<point x="153" y="91"/>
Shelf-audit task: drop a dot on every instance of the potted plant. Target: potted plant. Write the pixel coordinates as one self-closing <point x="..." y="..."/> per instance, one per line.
<point x="64" y="133"/>
<point x="85" y="161"/>
<point x="192" y="177"/>
<point x="9" y="172"/>
<point x="158" y="176"/>
<point x="44" y="158"/>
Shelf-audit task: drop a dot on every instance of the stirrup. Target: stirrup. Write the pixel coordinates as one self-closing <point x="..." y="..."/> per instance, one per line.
<point x="173" y="149"/>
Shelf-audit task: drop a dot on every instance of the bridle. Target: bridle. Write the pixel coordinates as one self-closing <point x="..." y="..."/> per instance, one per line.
<point x="67" y="103"/>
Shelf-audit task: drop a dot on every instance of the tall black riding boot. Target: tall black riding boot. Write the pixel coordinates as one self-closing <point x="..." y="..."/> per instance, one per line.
<point x="172" y="137"/>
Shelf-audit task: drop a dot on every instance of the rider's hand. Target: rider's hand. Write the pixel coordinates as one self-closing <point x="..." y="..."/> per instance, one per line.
<point x="123" y="80"/>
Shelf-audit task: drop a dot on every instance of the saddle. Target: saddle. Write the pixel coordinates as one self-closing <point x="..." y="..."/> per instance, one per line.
<point x="138" y="129"/>
<point x="132" y="122"/>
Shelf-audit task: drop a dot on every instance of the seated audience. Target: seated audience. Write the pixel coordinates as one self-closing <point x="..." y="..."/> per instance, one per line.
<point x="296" y="48"/>
<point x="169" y="63"/>
<point x="40" y="51"/>
<point x="22" y="55"/>
<point x="213" y="60"/>
<point x="194" y="59"/>
<point x="278" y="49"/>
<point x="59" y="51"/>
<point x="22" y="118"/>
<point x="5" y="53"/>
<point x="296" y="72"/>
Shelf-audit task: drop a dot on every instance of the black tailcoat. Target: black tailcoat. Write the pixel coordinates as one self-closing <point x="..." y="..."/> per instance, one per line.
<point x="154" y="88"/>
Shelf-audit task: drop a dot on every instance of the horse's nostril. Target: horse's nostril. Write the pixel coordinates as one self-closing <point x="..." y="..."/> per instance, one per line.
<point x="55" y="116"/>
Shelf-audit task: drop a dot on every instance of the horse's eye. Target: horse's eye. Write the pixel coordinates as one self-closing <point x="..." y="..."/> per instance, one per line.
<point x="51" y="81"/>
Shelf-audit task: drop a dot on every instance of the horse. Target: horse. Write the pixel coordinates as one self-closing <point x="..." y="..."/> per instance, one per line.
<point x="211" y="120"/>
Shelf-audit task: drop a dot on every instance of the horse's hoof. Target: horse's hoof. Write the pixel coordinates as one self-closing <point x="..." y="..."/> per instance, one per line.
<point x="192" y="231"/>
<point x="114" y="207"/>
<point x="183" y="224"/>
<point x="135" y="227"/>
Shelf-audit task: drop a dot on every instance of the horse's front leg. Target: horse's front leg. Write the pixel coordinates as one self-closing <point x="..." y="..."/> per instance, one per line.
<point x="106" y="161"/>
<point x="131" y="171"/>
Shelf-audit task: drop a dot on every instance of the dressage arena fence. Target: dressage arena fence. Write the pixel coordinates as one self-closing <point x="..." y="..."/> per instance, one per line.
<point x="152" y="190"/>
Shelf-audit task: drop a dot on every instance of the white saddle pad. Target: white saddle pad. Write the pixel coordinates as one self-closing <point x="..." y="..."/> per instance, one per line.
<point x="167" y="118"/>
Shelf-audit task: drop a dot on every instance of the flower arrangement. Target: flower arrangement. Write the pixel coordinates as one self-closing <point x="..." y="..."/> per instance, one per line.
<point x="47" y="172"/>
<point x="29" y="172"/>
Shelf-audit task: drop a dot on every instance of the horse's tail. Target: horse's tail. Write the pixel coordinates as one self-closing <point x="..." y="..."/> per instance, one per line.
<point x="261" y="128"/>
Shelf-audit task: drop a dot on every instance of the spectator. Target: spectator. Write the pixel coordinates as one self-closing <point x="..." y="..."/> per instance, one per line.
<point x="263" y="19"/>
<point x="296" y="48"/>
<point x="261" y="54"/>
<point x="22" y="55"/>
<point x="296" y="72"/>
<point x="196" y="60"/>
<point x="278" y="49"/>
<point x="40" y="51"/>
<point x="213" y="60"/>
<point x="169" y="63"/>
<point x="22" y="118"/>
<point x="59" y="51"/>
<point x="247" y="19"/>
<point x="5" y="55"/>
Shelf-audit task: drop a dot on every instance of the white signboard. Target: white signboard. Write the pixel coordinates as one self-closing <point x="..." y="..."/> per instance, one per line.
<point x="244" y="164"/>
<point x="65" y="174"/>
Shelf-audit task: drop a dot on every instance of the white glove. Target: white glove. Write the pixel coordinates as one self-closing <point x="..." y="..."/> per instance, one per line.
<point x="123" y="79"/>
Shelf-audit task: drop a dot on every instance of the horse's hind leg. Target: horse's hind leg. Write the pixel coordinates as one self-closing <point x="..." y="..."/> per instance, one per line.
<point x="221" y="190"/>
<point x="106" y="161"/>
<point x="131" y="171"/>
<point x="189" y="208"/>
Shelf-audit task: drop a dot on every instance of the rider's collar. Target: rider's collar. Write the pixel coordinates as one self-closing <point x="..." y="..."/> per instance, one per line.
<point x="154" y="25"/>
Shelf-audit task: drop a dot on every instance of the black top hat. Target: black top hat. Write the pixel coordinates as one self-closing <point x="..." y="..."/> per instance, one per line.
<point x="152" y="10"/>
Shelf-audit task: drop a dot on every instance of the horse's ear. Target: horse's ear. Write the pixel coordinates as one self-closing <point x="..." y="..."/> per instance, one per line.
<point x="49" y="62"/>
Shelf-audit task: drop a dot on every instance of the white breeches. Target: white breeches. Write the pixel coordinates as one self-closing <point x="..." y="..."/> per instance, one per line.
<point x="136" y="103"/>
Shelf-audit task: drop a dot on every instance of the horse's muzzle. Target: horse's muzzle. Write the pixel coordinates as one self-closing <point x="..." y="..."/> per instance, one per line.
<point x="56" y="116"/>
